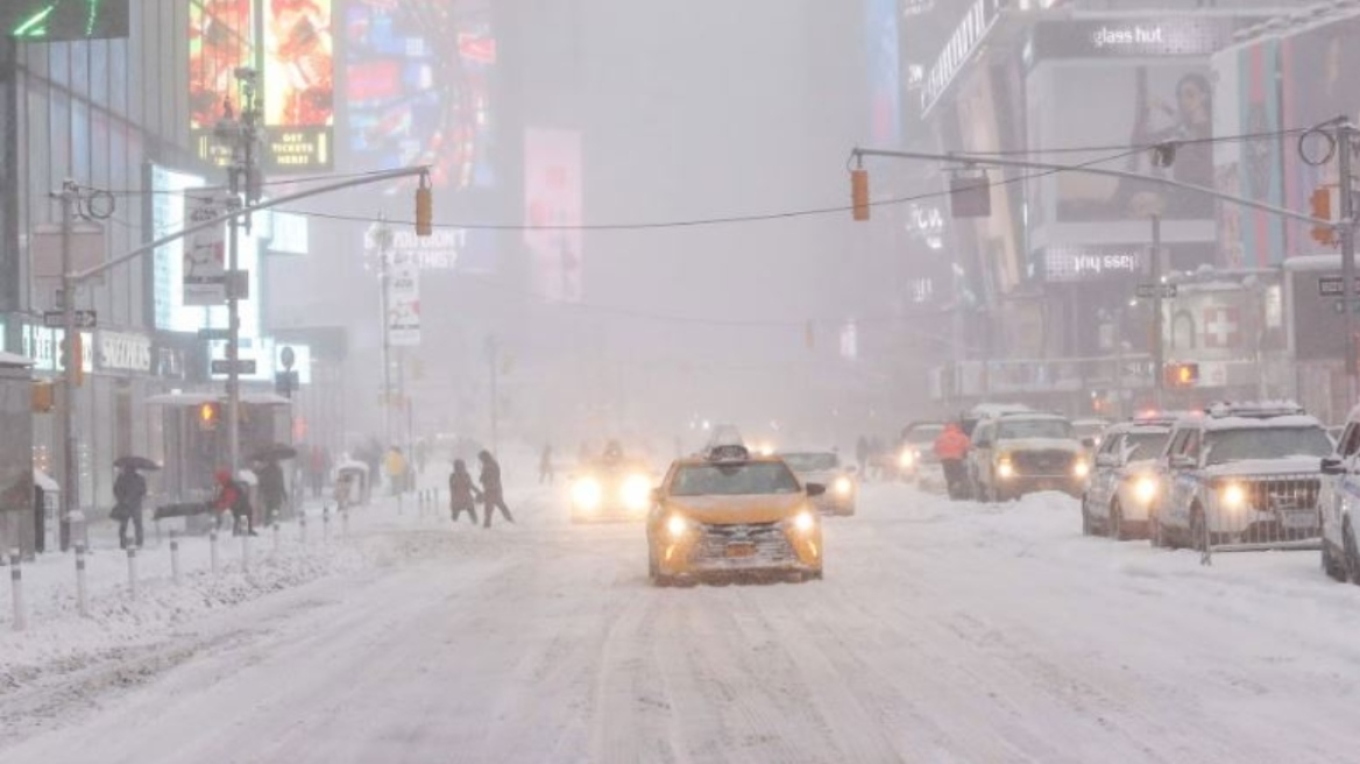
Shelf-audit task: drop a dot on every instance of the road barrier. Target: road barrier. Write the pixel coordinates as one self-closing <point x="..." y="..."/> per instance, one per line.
<point x="1254" y="513"/>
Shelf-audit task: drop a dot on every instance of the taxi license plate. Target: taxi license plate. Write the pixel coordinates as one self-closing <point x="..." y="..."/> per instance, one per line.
<point x="742" y="549"/>
<point x="1299" y="519"/>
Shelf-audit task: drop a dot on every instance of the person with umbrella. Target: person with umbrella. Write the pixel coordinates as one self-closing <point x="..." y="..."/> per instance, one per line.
<point x="129" y="491"/>
<point x="232" y="496"/>
<point x="493" y="493"/>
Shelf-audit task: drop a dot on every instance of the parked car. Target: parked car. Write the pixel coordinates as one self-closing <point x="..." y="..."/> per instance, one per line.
<point x="1124" y="481"/>
<point x="1336" y="505"/>
<point x="1018" y="453"/>
<point x="1242" y="476"/>
<point x="916" y="452"/>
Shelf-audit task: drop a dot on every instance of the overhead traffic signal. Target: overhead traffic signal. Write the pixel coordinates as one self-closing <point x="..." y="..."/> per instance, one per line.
<point x="1321" y="204"/>
<point x="1182" y="374"/>
<point x="859" y="193"/>
<point x="209" y="415"/>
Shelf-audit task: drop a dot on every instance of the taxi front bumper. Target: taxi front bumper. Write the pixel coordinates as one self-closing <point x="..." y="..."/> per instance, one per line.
<point x="747" y="548"/>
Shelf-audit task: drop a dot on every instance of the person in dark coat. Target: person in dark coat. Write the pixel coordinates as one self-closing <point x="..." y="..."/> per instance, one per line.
<point x="273" y="491"/>
<point x="129" y="490"/>
<point x="493" y="494"/>
<point x="462" y="493"/>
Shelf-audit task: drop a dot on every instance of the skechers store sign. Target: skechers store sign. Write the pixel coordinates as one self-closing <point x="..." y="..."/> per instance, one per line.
<point x="1141" y="38"/>
<point x="119" y="351"/>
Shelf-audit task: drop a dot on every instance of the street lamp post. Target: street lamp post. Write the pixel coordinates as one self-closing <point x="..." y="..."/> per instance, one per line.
<point x="383" y="238"/>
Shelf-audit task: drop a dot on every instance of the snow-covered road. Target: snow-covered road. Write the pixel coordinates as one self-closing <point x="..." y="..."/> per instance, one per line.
<point x="942" y="633"/>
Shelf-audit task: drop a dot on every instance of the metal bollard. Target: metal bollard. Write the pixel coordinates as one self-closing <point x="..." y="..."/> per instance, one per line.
<point x="245" y="552"/>
<point x="16" y="580"/>
<point x="174" y="557"/>
<point x="344" y="522"/>
<point x="82" y="592"/>
<point x="278" y="540"/>
<point x="326" y="523"/>
<point x="302" y="528"/>
<point x="132" y="571"/>
<point x="212" y="550"/>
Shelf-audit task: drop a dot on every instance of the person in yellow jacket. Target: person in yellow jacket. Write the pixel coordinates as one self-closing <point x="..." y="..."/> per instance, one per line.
<point x="395" y="467"/>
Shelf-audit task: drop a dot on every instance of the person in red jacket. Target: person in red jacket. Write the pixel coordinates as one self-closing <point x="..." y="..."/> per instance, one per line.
<point x="951" y="447"/>
<point x="231" y="495"/>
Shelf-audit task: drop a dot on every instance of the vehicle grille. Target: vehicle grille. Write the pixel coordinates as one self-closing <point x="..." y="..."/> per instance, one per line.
<point x="1283" y="492"/>
<point x="1280" y="511"/>
<point x="1051" y="462"/>
<point x="771" y="545"/>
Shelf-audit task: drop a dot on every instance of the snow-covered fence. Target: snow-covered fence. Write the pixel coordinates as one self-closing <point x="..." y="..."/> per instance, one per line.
<point x="1257" y="513"/>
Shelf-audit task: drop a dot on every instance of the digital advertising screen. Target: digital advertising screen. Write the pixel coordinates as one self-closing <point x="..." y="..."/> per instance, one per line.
<point x="220" y="42"/>
<point x="60" y="20"/>
<point x="299" y="85"/>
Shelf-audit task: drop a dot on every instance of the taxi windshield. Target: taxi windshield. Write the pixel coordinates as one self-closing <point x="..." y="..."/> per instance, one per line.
<point x="1016" y="429"/>
<point x="1267" y="443"/>
<point x="744" y="479"/>
<point x="811" y="462"/>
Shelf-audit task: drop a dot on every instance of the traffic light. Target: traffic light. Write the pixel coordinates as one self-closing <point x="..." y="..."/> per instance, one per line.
<point x="859" y="193"/>
<point x="1321" y="203"/>
<point x="44" y="398"/>
<point x="1182" y="374"/>
<point x="209" y="414"/>
<point x="424" y="209"/>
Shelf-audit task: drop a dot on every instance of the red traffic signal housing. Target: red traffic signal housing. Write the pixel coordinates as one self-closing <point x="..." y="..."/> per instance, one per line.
<point x="1320" y="204"/>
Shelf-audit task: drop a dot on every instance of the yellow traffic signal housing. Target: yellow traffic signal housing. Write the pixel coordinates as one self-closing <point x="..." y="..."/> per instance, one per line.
<point x="424" y="210"/>
<point x="859" y="193"/>
<point x="1183" y="375"/>
<point x="1321" y="204"/>
<point x="44" y="397"/>
<point x="209" y="414"/>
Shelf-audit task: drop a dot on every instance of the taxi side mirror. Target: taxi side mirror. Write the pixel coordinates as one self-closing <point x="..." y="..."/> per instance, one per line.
<point x="1333" y="465"/>
<point x="815" y="489"/>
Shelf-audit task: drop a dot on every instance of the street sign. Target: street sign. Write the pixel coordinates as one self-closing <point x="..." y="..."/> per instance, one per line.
<point x="214" y="334"/>
<point x="85" y="319"/>
<point x="243" y="366"/>
<point x="1335" y="286"/>
<point x="1150" y="291"/>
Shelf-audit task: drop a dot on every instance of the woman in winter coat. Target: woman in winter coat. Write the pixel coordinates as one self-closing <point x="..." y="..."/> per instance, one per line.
<point x="463" y="494"/>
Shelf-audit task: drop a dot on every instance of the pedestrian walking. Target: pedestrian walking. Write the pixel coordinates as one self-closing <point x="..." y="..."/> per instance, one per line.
<point x="463" y="494"/>
<point x="233" y="497"/>
<point x="545" y="466"/>
<point x="951" y="447"/>
<point x="493" y="493"/>
<point x="129" y="491"/>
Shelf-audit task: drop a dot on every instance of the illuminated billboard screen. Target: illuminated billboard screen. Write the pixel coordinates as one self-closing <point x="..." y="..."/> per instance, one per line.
<point x="418" y="89"/>
<point x="220" y="42"/>
<point x="553" y="211"/>
<point x="54" y="20"/>
<point x="299" y="85"/>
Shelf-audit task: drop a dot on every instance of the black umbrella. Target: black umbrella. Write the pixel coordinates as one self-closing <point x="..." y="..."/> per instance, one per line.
<point x="275" y="453"/>
<point x="136" y="463"/>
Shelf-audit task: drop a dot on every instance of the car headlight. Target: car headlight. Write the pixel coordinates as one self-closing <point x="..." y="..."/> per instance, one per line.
<point x="677" y="526"/>
<point x="636" y="492"/>
<point x="1145" y="489"/>
<point x="1005" y="469"/>
<point x="804" y="521"/>
<point x="1081" y="469"/>
<point x="843" y="486"/>
<point x="1233" y="496"/>
<point x="907" y="459"/>
<point x="587" y="494"/>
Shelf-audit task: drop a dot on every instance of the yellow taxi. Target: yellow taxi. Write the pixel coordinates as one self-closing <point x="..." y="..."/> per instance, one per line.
<point x="729" y="512"/>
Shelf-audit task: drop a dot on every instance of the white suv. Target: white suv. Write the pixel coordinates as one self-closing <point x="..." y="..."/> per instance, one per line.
<point x="1124" y="483"/>
<point x="1337" y="505"/>
<point x="1242" y="476"/>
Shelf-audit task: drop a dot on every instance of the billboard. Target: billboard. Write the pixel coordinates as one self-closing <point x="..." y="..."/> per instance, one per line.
<point x="1318" y="74"/>
<point x="1124" y="103"/>
<point x="403" y="300"/>
<point x="1249" y="104"/>
<point x="58" y="20"/>
<point x="221" y="40"/>
<point x="205" y="252"/>
<point x="299" y="85"/>
<point x="418" y="91"/>
<point x="885" y="91"/>
<point x="167" y="268"/>
<point x="553" y="212"/>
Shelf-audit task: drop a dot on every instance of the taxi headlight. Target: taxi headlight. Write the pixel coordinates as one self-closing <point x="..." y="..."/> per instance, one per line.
<point x="1233" y="496"/>
<point x="843" y="486"/>
<point x="677" y="526"/>
<point x="1005" y="469"/>
<point x="587" y="494"/>
<point x="1145" y="489"/>
<point x="907" y="459"/>
<point x="636" y="492"/>
<point x="1081" y="469"/>
<point x="804" y="521"/>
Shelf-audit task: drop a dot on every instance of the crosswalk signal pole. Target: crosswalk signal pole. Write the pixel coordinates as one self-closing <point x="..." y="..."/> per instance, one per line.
<point x="1346" y="222"/>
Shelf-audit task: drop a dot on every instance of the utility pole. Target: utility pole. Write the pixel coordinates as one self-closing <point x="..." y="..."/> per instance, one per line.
<point x="1345" y="136"/>
<point x="243" y="136"/>
<point x="70" y="350"/>
<point x="382" y="241"/>
<point x="1158" y="321"/>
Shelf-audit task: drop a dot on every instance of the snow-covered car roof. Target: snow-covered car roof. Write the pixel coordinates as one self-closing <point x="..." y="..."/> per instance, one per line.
<point x="1260" y="423"/>
<point x="985" y="410"/>
<point x="1020" y="416"/>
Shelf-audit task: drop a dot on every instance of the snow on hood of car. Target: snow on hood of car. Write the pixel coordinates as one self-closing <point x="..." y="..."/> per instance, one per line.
<point x="1040" y="444"/>
<point x="1292" y="465"/>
